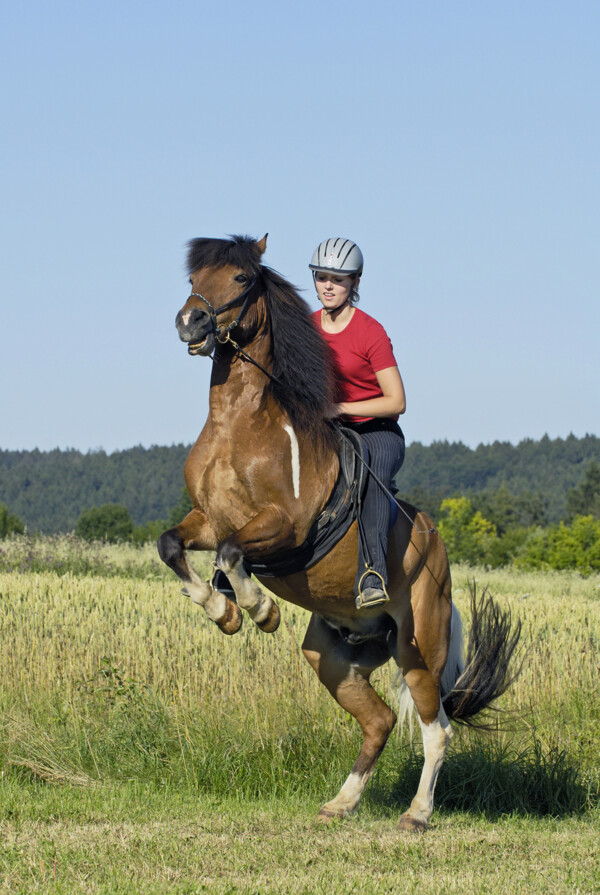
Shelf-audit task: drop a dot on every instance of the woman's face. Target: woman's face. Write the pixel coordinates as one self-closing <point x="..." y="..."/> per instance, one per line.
<point x="333" y="290"/>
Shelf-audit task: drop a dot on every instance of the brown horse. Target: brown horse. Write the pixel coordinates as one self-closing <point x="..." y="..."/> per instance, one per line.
<point x="260" y="473"/>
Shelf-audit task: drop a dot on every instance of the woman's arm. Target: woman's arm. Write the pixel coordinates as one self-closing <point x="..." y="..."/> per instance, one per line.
<point x="391" y="402"/>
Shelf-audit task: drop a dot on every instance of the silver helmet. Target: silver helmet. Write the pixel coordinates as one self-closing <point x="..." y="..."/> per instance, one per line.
<point x="338" y="255"/>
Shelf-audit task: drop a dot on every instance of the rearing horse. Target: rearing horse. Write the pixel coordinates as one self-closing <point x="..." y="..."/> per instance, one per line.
<point x="259" y="474"/>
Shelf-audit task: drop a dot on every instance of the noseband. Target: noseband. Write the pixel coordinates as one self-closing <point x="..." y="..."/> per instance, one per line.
<point x="223" y="333"/>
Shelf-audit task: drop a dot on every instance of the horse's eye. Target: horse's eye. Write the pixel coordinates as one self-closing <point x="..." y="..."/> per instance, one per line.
<point x="241" y="278"/>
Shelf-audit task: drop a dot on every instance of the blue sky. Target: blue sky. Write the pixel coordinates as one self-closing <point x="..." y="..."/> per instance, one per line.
<point x="457" y="143"/>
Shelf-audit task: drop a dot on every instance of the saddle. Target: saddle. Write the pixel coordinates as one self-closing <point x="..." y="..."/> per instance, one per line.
<point x="331" y="524"/>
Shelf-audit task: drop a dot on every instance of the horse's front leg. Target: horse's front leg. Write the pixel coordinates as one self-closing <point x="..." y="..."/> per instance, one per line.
<point x="270" y="531"/>
<point x="195" y="533"/>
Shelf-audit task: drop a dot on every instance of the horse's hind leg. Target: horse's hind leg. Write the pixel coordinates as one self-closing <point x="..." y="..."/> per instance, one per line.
<point x="345" y="670"/>
<point x="421" y="654"/>
<point x="436" y="734"/>
<point x="193" y="533"/>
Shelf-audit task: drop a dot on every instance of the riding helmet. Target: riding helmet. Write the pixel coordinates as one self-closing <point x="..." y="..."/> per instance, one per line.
<point x="338" y="255"/>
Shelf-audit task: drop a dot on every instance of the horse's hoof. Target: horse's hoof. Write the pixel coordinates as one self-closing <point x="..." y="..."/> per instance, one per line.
<point x="412" y="824"/>
<point x="325" y="816"/>
<point x="271" y="623"/>
<point x="231" y="622"/>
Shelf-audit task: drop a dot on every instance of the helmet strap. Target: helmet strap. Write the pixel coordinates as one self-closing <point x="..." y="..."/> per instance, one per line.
<point x="331" y="311"/>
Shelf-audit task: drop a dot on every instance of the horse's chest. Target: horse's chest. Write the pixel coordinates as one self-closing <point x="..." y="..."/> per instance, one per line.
<point x="235" y="474"/>
<point x="233" y="488"/>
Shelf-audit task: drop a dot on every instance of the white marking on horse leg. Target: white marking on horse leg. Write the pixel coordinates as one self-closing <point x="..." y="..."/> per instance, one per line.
<point x="201" y="593"/>
<point x="436" y="737"/>
<point x="248" y="594"/>
<point x="295" y="460"/>
<point x="347" y="799"/>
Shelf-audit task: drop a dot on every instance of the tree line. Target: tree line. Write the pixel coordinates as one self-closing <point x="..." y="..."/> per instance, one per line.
<point x="48" y="490"/>
<point x="536" y="503"/>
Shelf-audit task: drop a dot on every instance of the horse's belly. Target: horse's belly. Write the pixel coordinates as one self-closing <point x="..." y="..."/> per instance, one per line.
<point x="326" y="587"/>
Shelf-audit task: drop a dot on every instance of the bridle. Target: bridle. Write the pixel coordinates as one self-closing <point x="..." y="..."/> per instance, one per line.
<point x="223" y="333"/>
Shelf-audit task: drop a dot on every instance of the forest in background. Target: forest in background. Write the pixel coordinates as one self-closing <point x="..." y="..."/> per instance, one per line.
<point x="50" y="490"/>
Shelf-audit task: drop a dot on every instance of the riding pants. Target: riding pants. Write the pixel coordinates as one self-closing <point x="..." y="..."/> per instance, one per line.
<point x="385" y="443"/>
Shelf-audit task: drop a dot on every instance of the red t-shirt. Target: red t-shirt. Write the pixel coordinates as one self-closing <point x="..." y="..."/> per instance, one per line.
<point x="360" y="351"/>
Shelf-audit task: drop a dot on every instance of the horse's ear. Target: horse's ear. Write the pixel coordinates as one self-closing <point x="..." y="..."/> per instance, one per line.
<point x="261" y="245"/>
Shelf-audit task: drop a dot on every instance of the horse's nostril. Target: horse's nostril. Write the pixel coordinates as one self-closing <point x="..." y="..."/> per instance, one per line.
<point x="197" y="315"/>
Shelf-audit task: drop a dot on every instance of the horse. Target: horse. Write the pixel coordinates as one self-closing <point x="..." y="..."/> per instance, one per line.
<point x="259" y="475"/>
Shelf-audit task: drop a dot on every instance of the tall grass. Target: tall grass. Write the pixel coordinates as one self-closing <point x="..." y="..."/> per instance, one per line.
<point x="66" y="554"/>
<point x="116" y="676"/>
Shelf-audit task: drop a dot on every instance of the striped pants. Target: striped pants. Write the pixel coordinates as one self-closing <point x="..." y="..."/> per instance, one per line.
<point x="386" y="456"/>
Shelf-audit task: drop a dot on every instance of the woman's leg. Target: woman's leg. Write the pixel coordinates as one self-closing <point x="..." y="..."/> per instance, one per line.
<point x="386" y="455"/>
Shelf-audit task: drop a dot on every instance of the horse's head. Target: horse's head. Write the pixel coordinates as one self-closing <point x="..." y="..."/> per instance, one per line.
<point x="223" y="273"/>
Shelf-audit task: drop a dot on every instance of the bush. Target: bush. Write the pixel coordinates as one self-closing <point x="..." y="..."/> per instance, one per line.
<point x="503" y="549"/>
<point x="468" y="536"/>
<point x="150" y="532"/>
<point x="110" y="522"/>
<point x="9" y="523"/>
<point x="575" y="546"/>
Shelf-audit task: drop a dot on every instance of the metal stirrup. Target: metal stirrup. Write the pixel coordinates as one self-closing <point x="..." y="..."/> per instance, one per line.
<point x="360" y="600"/>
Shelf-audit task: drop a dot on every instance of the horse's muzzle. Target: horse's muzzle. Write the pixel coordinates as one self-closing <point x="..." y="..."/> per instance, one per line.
<point x="204" y="347"/>
<point x="196" y="328"/>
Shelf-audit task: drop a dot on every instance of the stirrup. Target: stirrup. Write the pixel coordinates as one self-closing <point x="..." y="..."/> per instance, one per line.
<point x="361" y="602"/>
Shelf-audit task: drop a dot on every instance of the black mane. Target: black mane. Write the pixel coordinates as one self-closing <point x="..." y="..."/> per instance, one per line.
<point x="301" y="361"/>
<point x="239" y="251"/>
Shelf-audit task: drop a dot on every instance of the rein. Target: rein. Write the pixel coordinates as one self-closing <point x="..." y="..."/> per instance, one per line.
<point x="389" y="494"/>
<point x="222" y="340"/>
<point x="223" y="333"/>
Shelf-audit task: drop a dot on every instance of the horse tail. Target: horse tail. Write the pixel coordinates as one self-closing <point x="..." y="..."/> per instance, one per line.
<point x="471" y="686"/>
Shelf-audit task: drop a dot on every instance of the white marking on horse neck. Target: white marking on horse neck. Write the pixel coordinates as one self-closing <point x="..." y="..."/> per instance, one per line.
<point x="295" y="460"/>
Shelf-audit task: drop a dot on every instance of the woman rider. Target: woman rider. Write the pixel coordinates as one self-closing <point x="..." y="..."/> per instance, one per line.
<point x="369" y="396"/>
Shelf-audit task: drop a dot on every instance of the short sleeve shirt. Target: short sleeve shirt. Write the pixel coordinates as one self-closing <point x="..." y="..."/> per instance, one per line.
<point x="360" y="351"/>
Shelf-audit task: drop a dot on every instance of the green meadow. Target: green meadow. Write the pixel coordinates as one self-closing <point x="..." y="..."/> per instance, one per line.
<point x="143" y="751"/>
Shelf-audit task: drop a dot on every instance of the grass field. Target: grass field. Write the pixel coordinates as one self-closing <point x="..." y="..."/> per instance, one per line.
<point x="143" y="751"/>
